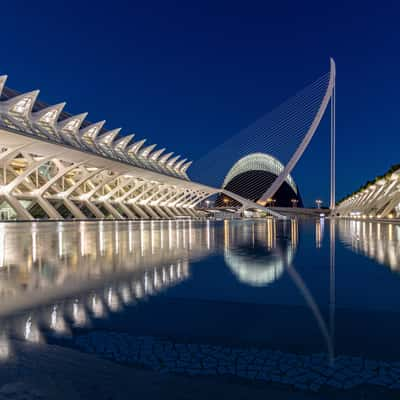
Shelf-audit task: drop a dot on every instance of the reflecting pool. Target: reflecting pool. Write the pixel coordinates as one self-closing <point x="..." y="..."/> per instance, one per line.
<point x="295" y="288"/>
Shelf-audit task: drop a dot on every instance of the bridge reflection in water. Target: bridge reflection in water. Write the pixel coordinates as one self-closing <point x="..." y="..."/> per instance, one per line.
<point x="259" y="254"/>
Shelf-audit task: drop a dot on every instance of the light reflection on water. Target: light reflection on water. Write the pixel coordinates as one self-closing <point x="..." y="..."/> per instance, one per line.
<point x="378" y="241"/>
<point x="57" y="277"/>
<point x="254" y="255"/>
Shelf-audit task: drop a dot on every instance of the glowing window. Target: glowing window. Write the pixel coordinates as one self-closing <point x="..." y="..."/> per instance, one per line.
<point x="72" y="125"/>
<point x="49" y="117"/>
<point x="22" y="105"/>
<point x="91" y="132"/>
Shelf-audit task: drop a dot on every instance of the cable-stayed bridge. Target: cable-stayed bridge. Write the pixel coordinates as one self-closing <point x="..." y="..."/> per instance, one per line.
<point x="54" y="165"/>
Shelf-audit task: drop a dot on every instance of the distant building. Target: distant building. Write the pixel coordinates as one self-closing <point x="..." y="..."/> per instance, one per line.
<point x="252" y="175"/>
<point x="378" y="198"/>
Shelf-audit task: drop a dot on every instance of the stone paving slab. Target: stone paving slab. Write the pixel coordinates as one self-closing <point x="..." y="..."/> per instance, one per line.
<point x="49" y="372"/>
<point x="303" y="372"/>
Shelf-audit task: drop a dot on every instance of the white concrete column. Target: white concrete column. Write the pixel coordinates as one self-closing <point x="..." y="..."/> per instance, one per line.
<point x="74" y="209"/>
<point x="22" y="213"/>
<point x="126" y="210"/>
<point x="115" y="213"/>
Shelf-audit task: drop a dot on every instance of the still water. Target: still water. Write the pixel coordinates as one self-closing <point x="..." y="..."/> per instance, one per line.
<point x="301" y="286"/>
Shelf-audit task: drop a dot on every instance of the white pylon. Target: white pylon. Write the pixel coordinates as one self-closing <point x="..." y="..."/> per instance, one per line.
<point x="333" y="149"/>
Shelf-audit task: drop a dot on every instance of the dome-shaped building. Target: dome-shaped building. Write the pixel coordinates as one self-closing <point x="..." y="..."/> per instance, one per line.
<point x="252" y="175"/>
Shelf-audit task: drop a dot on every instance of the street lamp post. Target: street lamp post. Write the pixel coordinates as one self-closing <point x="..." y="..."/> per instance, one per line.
<point x="294" y="202"/>
<point x="271" y="202"/>
<point x="318" y="203"/>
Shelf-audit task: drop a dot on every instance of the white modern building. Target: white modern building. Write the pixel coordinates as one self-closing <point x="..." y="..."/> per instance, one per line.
<point x="55" y="165"/>
<point x="380" y="199"/>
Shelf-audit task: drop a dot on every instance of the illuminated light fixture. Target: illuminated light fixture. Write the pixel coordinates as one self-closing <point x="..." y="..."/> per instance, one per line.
<point x="157" y="154"/>
<point x="3" y="79"/>
<point x="134" y="148"/>
<point x="108" y="137"/>
<point x="97" y="307"/>
<point x="172" y="161"/>
<point x="73" y="123"/>
<point x="164" y="158"/>
<point x="122" y="143"/>
<point x="92" y="131"/>
<point x="126" y="294"/>
<point x="138" y="290"/>
<point x="179" y="164"/>
<point x="5" y="348"/>
<point x="57" y="322"/>
<point x="31" y="331"/>
<point x="186" y="166"/>
<point x="78" y="314"/>
<point x="112" y="300"/>
<point x="146" y="151"/>
<point x="22" y="104"/>
<point x="394" y="176"/>
<point x="49" y="115"/>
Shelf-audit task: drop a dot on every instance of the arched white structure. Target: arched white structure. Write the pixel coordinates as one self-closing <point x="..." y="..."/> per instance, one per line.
<point x="257" y="272"/>
<point x="258" y="162"/>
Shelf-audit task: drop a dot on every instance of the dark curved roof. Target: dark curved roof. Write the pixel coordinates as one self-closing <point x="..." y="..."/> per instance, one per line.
<point x="253" y="184"/>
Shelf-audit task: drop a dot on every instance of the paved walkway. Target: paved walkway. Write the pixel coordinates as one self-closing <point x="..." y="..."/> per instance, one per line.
<point x="53" y="372"/>
<point x="303" y="372"/>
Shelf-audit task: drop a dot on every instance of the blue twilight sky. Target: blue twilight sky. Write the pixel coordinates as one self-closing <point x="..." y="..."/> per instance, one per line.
<point x="188" y="75"/>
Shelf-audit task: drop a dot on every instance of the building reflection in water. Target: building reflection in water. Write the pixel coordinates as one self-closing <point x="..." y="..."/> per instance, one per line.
<point x="39" y="258"/>
<point x="31" y="331"/>
<point x="264" y="261"/>
<point x="379" y="241"/>
<point x="88" y="270"/>
<point x="57" y="321"/>
<point x="56" y="279"/>
<point x="5" y="349"/>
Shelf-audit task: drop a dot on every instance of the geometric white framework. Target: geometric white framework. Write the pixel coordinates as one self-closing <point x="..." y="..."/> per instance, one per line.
<point x="23" y="113"/>
<point x="56" y="165"/>
<point x="378" y="200"/>
<point x="44" y="180"/>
